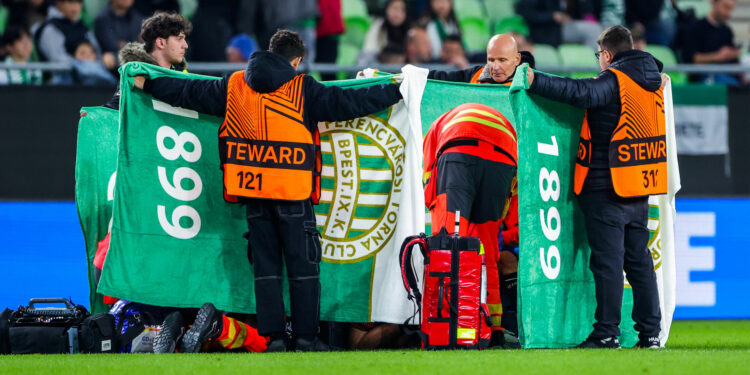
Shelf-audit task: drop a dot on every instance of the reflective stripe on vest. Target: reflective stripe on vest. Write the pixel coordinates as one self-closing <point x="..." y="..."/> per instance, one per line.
<point x="266" y="149"/>
<point x="637" y="149"/>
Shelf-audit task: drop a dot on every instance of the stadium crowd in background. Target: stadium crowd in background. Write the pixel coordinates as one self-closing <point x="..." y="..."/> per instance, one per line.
<point x="385" y="31"/>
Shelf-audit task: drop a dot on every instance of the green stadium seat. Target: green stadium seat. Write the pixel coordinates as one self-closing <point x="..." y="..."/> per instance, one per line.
<point x="701" y="7"/>
<point x="347" y="56"/>
<point x="356" y="30"/>
<point x="354" y="8"/>
<point x="356" y="20"/>
<point x="91" y="9"/>
<point x="578" y="55"/>
<point x="469" y="9"/>
<point x="512" y="24"/>
<point x="667" y="57"/>
<point x="3" y="18"/>
<point x="499" y="9"/>
<point x="475" y="33"/>
<point x="546" y="55"/>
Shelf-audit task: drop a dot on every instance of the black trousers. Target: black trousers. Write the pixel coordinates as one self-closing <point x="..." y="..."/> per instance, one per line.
<point x="618" y="237"/>
<point x="285" y="229"/>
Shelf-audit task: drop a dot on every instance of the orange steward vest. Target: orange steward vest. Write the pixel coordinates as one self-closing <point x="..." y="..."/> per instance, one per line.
<point x="638" y="147"/>
<point x="266" y="150"/>
<point x="475" y="78"/>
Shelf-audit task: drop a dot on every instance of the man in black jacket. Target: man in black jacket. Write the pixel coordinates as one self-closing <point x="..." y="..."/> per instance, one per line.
<point x="616" y="222"/>
<point x="503" y="57"/>
<point x="267" y="100"/>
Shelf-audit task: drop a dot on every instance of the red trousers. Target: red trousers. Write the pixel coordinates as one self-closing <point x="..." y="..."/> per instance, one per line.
<point x="477" y="187"/>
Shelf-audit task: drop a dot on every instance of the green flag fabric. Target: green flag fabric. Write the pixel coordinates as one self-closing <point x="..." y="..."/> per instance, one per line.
<point x="96" y="162"/>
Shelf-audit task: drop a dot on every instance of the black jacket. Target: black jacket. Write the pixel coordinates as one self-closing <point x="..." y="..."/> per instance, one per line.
<point x="466" y="74"/>
<point x="600" y="96"/>
<point x="265" y="73"/>
<point x="538" y="15"/>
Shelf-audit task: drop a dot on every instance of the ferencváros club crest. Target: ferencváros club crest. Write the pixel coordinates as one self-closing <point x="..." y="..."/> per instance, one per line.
<point x="361" y="184"/>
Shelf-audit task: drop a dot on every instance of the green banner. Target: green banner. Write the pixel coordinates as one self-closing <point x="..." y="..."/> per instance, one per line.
<point x="96" y="160"/>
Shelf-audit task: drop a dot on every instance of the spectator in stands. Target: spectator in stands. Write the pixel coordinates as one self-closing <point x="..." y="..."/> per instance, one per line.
<point x="712" y="41"/>
<point x="392" y="54"/>
<point x="149" y="7"/>
<point x="553" y="22"/>
<point x="453" y="52"/>
<point x="164" y="45"/>
<point x="28" y="14"/>
<point x="117" y="25"/>
<point x="214" y="27"/>
<point x="240" y="48"/>
<point x="330" y="27"/>
<point x="646" y="15"/>
<point x="87" y="70"/>
<point x="440" y="21"/>
<point x="418" y="46"/>
<point x="390" y="29"/>
<point x="58" y="37"/>
<point x="16" y="42"/>
<point x="639" y="39"/>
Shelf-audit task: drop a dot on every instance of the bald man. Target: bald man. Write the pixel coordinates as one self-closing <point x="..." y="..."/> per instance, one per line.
<point x="502" y="59"/>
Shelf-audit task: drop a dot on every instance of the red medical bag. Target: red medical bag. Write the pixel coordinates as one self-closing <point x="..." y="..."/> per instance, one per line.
<point x="454" y="313"/>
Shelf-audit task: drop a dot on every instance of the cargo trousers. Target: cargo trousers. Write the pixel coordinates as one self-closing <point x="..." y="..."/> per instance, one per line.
<point x="285" y="230"/>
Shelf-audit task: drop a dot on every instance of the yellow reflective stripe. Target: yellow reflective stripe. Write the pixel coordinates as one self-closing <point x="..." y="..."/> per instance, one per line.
<point x="426" y="177"/>
<point x="466" y="334"/>
<point x="481" y="112"/>
<point x="496" y="321"/>
<point x="232" y="333"/>
<point x="481" y="248"/>
<point x="241" y="336"/>
<point x="495" y="309"/>
<point x="481" y="122"/>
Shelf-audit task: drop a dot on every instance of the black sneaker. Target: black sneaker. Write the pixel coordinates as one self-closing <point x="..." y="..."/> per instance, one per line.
<point x="606" y="343"/>
<point x="207" y="326"/>
<point x="648" y="343"/>
<point x="171" y="331"/>
<point x="497" y="340"/>
<point x="278" y="346"/>
<point x="304" y="345"/>
<point x="511" y="340"/>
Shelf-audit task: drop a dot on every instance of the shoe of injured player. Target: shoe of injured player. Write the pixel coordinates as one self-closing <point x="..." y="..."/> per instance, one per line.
<point x="171" y="332"/>
<point x="207" y="327"/>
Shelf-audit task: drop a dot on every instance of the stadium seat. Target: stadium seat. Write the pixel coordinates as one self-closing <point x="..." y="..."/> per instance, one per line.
<point x="578" y="55"/>
<point x="354" y="8"/>
<point x="347" y="57"/>
<point x="701" y="7"/>
<point x="356" y="30"/>
<point x="499" y="9"/>
<point x="3" y="18"/>
<point x="512" y="24"/>
<point x="475" y="34"/>
<point x="667" y="57"/>
<point x="91" y="9"/>
<point x="356" y="20"/>
<point x="546" y="55"/>
<point x="469" y="9"/>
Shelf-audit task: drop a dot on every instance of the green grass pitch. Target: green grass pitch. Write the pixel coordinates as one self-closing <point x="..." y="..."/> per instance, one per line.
<point x="695" y="347"/>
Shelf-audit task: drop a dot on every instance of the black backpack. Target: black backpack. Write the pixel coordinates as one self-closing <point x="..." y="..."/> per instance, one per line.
<point x="44" y="330"/>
